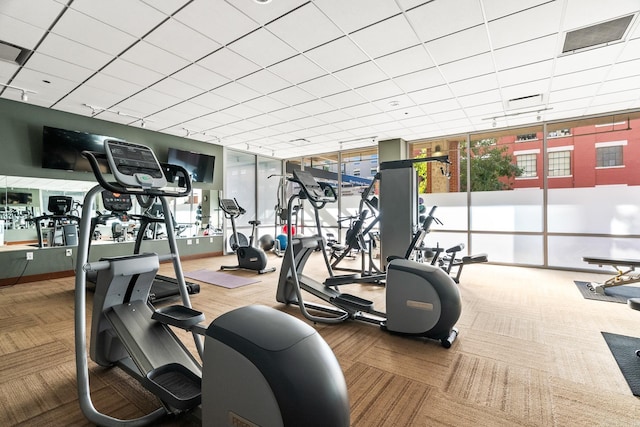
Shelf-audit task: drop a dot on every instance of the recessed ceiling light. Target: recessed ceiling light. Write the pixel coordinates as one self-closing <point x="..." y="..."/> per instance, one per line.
<point x="262" y="1"/>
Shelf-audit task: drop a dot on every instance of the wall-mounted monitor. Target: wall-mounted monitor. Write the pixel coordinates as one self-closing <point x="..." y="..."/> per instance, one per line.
<point x="62" y="149"/>
<point x="199" y="166"/>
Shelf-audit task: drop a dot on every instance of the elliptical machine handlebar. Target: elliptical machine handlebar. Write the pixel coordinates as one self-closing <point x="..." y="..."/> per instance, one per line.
<point x="171" y="172"/>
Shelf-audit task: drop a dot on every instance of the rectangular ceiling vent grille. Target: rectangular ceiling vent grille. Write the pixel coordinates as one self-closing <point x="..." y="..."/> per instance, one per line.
<point x="13" y="53"/>
<point x="524" y="102"/>
<point x="596" y="35"/>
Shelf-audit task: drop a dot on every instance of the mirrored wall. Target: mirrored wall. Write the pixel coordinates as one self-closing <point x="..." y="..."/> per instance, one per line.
<point x="25" y="206"/>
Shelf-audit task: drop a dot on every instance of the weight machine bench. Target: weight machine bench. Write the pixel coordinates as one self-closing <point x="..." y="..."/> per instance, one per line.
<point x="622" y="276"/>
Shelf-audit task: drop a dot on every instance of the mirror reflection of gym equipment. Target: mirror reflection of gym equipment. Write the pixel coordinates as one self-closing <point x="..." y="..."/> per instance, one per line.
<point x="60" y="227"/>
<point x="288" y="371"/>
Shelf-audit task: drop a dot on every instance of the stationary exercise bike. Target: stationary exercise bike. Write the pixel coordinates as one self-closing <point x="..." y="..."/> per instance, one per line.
<point x="259" y="366"/>
<point x="422" y="300"/>
<point x="249" y="256"/>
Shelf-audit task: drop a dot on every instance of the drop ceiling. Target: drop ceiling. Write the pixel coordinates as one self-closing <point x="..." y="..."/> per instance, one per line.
<point x="293" y="77"/>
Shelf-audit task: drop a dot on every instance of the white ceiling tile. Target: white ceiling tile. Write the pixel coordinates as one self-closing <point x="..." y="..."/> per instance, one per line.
<point x="493" y="108"/>
<point x="151" y="57"/>
<point x="236" y="92"/>
<point x="398" y="102"/>
<point x="167" y="7"/>
<point x="48" y="11"/>
<point x="324" y="86"/>
<point x="149" y="101"/>
<point x="631" y="50"/>
<point x="625" y="69"/>
<point x="334" y="116"/>
<point x="264" y="82"/>
<point x="93" y="96"/>
<point x="263" y="14"/>
<point x="474" y="85"/>
<point x="130" y="72"/>
<point x="433" y="94"/>
<point x="182" y="41"/>
<point x="345" y="99"/>
<point x="266" y="120"/>
<point x="288" y="114"/>
<point x="307" y="122"/>
<point x="406" y="61"/>
<point x="375" y="40"/>
<point x="361" y="75"/>
<point x="200" y="77"/>
<point x="587" y="59"/>
<point x="468" y="68"/>
<point x="56" y="67"/>
<point x="440" y="106"/>
<point x="191" y="108"/>
<point x="113" y="84"/>
<point x="317" y="106"/>
<point x="291" y="96"/>
<point x="216" y="19"/>
<point x="8" y="69"/>
<point x="579" y="78"/>
<point x="229" y="64"/>
<point x="531" y="52"/>
<point x="242" y="111"/>
<point x="480" y="99"/>
<point x="582" y="13"/>
<point x="266" y="104"/>
<point x="356" y="14"/>
<point x="338" y="54"/>
<point x="563" y="95"/>
<point x="138" y="20"/>
<point x="73" y="52"/>
<point x="35" y="81"/>
<point x="620" y="85"/>
<point x="224" y="119"/>
<point x="379" y="90"/>
<point x="294" y="28"/>
<point x="362" y="110"/>
<point x="212" y="101"/>
<point x="19" y="33"/>
<point x="458" y="46"/>
<point x="420" y="79"/>
<point x="525" y="73"/>
<point x="174" y="87"/>
<point x="517" y="28"/>
<point x="297" y="69"/>
<point x="263" y="48"/>
<point x="526" y="89"/>
<point x="433" y="19"/>
<point x="406" y="113"/>
<point x="495" y="9"/>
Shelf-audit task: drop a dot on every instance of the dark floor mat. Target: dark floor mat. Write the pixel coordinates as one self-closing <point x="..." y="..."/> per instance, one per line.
<point x="613" y="294"/>
<point x="624" y="349"/>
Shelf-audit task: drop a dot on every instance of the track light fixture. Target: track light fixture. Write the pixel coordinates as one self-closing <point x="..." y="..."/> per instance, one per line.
<point x="25" y="92"/>
<point x="96" y="110"/>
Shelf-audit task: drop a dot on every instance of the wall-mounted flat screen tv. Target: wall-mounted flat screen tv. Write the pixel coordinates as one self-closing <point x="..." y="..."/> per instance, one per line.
<point x="199" y="166"/>
<point x="62" y="149"/>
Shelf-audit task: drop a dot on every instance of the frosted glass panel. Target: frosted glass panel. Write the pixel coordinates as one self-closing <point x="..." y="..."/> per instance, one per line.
<point x="452" y="210"/>
<point x="567" y="251"/>
<point x="519" y="210"/>
<point x="598" y="210"/>
<point x="512" y="249"/>
<point x="447" y="240"/>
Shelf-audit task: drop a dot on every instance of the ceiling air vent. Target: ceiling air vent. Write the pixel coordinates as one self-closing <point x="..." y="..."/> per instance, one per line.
<point x="13" y="53"/>
<point x="596" y="35"/>
<point x="524" y="102"/>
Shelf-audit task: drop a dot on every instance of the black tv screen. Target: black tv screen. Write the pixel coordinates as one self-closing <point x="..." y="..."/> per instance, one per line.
<point x="199" y="166"/>
<point x="62" y="149"/>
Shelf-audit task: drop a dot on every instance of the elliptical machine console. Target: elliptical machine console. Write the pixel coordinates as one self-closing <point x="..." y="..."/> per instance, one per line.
<point x="258" y="366"/>
<point x="421" y="300"/>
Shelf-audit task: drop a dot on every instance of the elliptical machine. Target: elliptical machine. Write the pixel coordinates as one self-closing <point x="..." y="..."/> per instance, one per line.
<point x="249" y="256"/>
<point x="259" y="366"/>
<point x="422" y="300"/>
